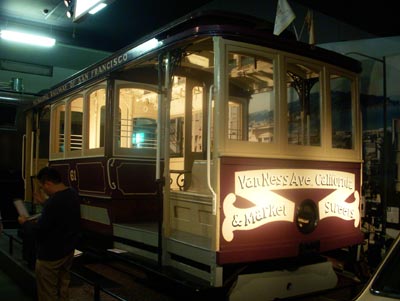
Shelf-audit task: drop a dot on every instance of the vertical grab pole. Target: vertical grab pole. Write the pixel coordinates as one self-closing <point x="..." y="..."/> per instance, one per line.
<point x="159" y="118"/>
<point x="31" y="153"/>
<point x="167" y="86"/>
<point x="23" y="160"/>
<point x="37" y="141"/>
<point x="214" y="195"/>
<point x="159" y="180"/>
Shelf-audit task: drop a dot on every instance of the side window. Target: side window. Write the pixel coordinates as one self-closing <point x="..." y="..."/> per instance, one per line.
<point x="96" y="118"/>
<point x="341" y="108"/>
<point x="137" y="114"/>
<point x="197" y="119"/>
<point x="251" y="115"/>
<point x="177" y="116"/>
<point x="58" y="118"/>
<point x="304" y="104"/>
<point x="76" y="123"/>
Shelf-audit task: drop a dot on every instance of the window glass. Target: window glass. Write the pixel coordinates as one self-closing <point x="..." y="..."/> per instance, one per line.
<point x="304" y="104"/>
<point x="197" y="119"/>
<point x="176" y="136"/>
<point x="76" y="121"/>
<point x="199" y="65"/>
<point x="137" y="125"/>
<point x="96" y="118"/>
<point x="177" y="113"/>
<point x="251" y="106"/>
<point x="235" y="122"/>
<point x="341" y="108"/>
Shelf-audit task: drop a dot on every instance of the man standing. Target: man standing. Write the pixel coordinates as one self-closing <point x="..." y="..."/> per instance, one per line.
<point x="56" y="234"/>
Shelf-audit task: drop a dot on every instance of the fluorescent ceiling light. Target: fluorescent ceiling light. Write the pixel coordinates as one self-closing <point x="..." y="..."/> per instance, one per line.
<point x="27" y="38"/>
<point x="98" y="7"/>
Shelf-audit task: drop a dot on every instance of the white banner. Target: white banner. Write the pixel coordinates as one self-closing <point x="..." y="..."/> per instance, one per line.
<point x="258" y="186"/>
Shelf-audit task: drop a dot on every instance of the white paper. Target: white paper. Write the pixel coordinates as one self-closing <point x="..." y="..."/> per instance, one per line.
<point x="20" y="206"/>
<point x="35" y="216"/>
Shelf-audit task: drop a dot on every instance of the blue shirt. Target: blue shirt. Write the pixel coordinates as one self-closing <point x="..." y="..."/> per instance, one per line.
<point x="57" y="229"/>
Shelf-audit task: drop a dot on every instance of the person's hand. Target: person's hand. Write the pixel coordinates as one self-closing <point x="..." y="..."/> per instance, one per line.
<point x="22" y="219"/>
<point x="38" y="197"/>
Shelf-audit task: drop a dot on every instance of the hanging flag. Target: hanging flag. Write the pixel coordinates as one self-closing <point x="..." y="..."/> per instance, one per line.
<point x="310" y="25"/>
<point x="284" y="16"/>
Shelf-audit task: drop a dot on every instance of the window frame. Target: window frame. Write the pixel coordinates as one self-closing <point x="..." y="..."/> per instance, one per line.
<point x="99" y="151"/>
<point x="68" y="151"/>
<point x="280" y="148"/>
<point x="246" y="148"/>
<point x="54" y="132"/>
<point x="131" y="152"/>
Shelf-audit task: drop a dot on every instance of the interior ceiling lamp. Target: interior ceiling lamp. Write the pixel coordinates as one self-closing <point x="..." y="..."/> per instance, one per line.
<point x="67" y="3"/>
<point x="26" y="38"/>
<point x="70" y="8"/>
<point x="70" y="13"/>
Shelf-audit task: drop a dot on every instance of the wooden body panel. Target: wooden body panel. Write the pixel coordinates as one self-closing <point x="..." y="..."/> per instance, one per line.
<point x="268" y="206"/>
<point x="112" y="191"/>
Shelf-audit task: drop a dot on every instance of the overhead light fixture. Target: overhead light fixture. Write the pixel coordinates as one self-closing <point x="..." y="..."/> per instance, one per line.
<point x="84" y="7"/>
<point x="26" y="38"/>
<point x="67" y="3"/>
<point x="70" y="8"/>
<point x="97" y="8"/>
<point x="70" y="13"/>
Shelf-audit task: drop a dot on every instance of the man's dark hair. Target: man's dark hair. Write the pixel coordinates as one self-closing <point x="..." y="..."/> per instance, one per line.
<point x="49" y="174"/>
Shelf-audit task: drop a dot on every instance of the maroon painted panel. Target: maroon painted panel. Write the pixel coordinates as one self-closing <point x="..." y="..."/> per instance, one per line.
<point x="273" y="208"/>
<point x="133" y="177"/>
<point x="109" y="178"/>
<point x="91" y="177"/>
<point x="125" y="188"/>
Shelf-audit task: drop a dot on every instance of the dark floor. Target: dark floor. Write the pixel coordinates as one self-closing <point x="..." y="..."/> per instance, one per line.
<point x="11" y="280"/>
<point x="17" y="281"/>
<point x="9" y="290"/>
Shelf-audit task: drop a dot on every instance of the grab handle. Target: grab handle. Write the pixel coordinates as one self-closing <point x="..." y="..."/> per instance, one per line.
<point x="214" y="195"/>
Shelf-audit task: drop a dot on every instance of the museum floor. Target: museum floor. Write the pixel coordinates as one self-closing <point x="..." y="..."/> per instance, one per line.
<point x="17" y="281"/>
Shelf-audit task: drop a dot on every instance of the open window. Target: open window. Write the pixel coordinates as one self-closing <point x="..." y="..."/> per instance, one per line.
<point x="96" y="116"/>
<point x="304" y="104"/>
<point x="78" y="124"/>
<point x="251" y="109"/>
<point x="75" y="106"/>
<point x="342" y="112"/>
<point x="135" y="120"/>
<point x="58" y="130"/>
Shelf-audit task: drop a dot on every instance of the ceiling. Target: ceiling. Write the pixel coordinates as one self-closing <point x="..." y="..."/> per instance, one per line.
<point x="125" y="21"/>
<point x="379" y="19"/>
<point x="108" y="30"/>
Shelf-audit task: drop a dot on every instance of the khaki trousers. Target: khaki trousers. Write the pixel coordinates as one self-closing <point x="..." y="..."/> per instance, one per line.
<point x="53" y="278"/>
